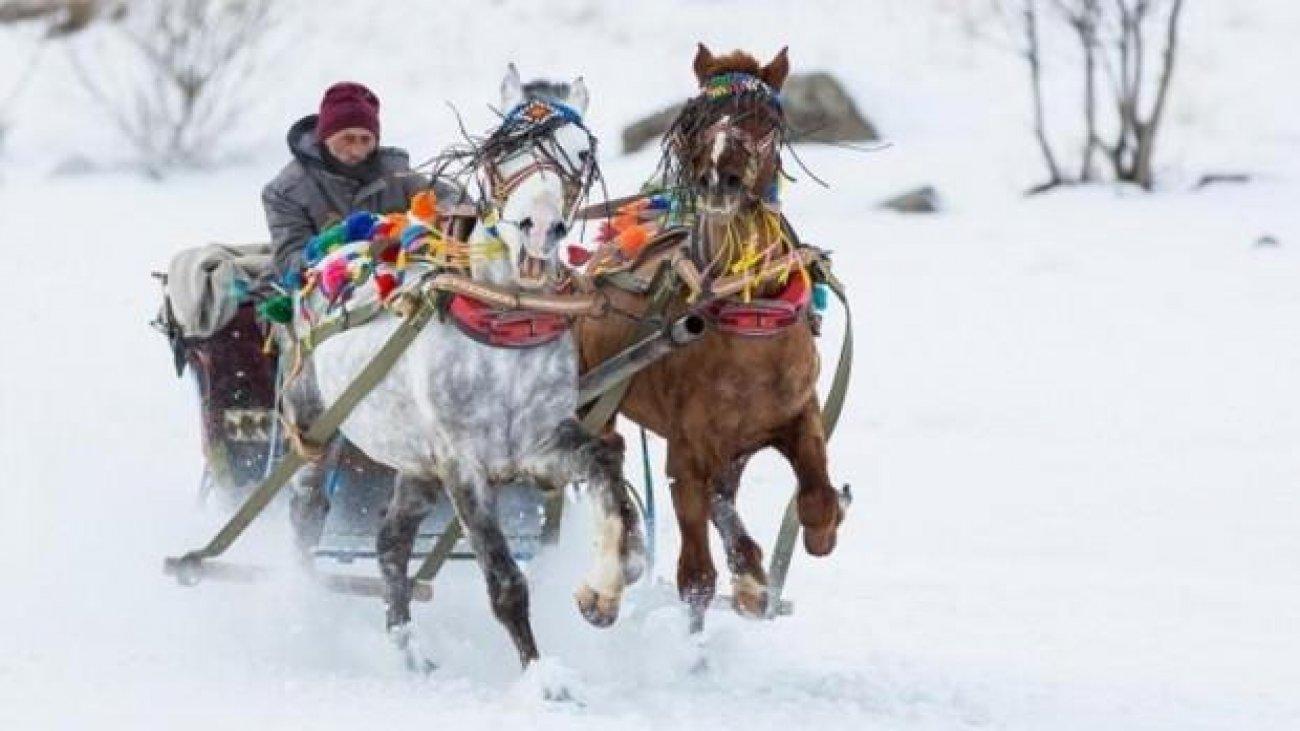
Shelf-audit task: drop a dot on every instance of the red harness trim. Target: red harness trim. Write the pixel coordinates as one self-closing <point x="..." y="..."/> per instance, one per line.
<point x="761" y="317"/>
<point x="505" y="328"/>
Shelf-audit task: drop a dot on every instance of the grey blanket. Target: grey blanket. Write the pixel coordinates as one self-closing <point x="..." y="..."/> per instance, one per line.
<point x="206" y="284"/>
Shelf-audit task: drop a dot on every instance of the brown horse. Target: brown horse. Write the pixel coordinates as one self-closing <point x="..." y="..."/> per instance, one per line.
<point x="723" y="398"/>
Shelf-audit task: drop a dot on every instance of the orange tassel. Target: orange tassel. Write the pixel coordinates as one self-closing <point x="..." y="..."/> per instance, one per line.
<point x="632" y="240"/>
<point x="623" y="222"/>
<point x="424" y="205"/>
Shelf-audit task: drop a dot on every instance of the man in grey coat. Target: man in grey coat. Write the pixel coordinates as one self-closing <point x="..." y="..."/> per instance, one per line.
<point x="338" y="167"/>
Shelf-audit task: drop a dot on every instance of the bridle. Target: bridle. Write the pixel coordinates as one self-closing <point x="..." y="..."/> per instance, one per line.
<point x="576" y="178"/>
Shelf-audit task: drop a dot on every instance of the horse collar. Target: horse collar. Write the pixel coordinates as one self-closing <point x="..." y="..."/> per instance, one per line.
<point x="763" y="317"/>
<point x="505" y="328"/>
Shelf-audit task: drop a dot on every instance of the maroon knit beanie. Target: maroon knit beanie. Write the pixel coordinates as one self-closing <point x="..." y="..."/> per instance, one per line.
<point x="347" y="104"/>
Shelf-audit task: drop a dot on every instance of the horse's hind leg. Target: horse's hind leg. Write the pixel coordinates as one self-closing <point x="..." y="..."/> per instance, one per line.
<point x="744" y="556"/>
<point x="507" y="587"/>
<point x="571" y="454"/>
<point x="696" y="577"/>
<point x="803" y="442"/>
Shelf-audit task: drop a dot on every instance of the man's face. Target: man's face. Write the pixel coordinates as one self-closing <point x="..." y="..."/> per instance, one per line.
<point x="352" y="145"/>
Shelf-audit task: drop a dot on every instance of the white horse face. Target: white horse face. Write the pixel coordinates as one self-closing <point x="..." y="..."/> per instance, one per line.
<point x="534" y="217"/>
<point x="532" y="225"/>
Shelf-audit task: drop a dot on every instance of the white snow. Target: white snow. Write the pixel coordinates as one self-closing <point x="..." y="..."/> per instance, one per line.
<point x="1072" y="433"/>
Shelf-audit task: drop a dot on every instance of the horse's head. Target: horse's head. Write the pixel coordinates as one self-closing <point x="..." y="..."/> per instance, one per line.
<point x="538" y="165"/>
<point x="726" y="141"/>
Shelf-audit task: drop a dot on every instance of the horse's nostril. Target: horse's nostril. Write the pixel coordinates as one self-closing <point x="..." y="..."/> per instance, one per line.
<point x="731" y="180"/>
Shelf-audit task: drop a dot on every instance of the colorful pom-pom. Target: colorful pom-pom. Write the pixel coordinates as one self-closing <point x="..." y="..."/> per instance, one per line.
<point x="360" y="226"/>
<point x="277" y="309"/>
<point x="424" y="205"/>
<point x="624" y="221"/>
<point x="385" y="283"/>
<point x="333" y="277"/>
<point x="632" y="240"/>
<point x="578" y="256"/>
<point x="820" y="297"/>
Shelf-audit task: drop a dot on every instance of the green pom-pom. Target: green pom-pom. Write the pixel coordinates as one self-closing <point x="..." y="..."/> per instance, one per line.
<point x="334" y="236"/>
<point x="277" y="309"/>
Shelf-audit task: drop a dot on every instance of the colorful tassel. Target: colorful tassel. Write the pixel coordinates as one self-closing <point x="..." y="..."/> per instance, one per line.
<point x="278" y="309"/>
<point x="385" y="283"/>
<point x="360" y="226"/>
<point x="632" y="240"/>
<point x="424" y="206"/>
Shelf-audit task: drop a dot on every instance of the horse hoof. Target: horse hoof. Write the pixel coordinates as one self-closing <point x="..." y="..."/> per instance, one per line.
<point x="748" y="597"/>
<point x="819" y="542"/>
<point x="407" y="645"/>
<point x="600" y="611"/>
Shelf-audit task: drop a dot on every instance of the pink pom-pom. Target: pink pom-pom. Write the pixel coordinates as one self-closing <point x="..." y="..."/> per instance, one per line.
<point x="333" y="277"/>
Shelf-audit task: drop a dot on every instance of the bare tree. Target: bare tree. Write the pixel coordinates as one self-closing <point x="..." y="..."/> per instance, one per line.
<point x="169" y="79"/>
<point x="1034" y="58"/>
<point x="1083" y="17"/>
<point x="1133" y="150"/>
<point x="1111" y="35"/>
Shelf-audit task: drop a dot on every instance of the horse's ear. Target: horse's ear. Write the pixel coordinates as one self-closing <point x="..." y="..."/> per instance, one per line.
<point x="703" y="63"/>
<point x="579" y="97"/>
<point x="512" y="89"/>
<point x="775" y="72"/>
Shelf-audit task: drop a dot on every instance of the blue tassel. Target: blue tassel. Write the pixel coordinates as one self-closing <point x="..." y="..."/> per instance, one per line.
<point x="360" y="226"/>
<point x="820" y="297"/>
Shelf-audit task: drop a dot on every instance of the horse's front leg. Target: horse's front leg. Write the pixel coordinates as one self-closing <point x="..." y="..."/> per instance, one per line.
<point x="744" y="556"/>
<point x="412" y="500"/>
<point x="571" y="454"/>
<point x="475" y="505"/>
<point x="308" y="505"/>
<point x="821" y="508"/>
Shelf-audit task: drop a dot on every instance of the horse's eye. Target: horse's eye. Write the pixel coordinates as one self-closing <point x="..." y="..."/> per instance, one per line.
<point x="526" y="225"/>
<point x="558" y="230"/>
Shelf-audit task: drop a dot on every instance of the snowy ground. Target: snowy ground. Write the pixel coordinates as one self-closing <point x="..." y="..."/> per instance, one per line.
<point x="1072" y="432"/>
